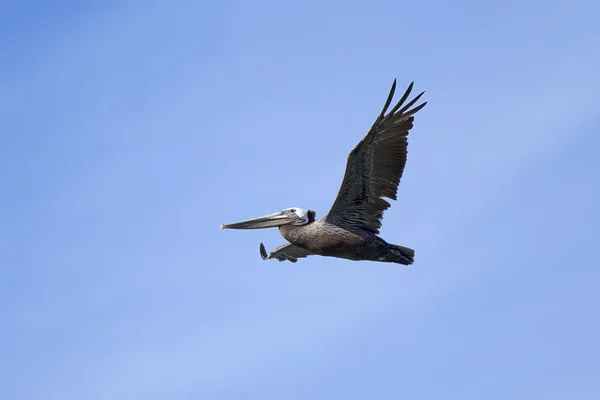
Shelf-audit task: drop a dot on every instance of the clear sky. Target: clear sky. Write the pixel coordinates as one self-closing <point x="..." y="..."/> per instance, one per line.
<point x="131" y="131"/>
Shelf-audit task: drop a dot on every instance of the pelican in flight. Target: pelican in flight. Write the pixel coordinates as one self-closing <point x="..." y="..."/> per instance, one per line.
<point x="351" y="228"/>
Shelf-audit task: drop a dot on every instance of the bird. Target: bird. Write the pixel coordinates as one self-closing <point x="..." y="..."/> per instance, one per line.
<point x="350" y="230"/>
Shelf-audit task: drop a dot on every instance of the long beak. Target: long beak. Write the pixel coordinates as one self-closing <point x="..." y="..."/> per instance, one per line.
<point x="267" y="221"/>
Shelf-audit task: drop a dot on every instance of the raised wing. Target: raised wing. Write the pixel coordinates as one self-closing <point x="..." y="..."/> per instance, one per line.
<point x="284" y="252"/>
<point x="374" y="167"/>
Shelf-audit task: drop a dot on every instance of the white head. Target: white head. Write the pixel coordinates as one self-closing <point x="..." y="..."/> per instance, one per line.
<point x="301" y="213"/>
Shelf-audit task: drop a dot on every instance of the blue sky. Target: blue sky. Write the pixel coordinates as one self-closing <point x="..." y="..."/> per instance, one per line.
<point x="132" y="130"/>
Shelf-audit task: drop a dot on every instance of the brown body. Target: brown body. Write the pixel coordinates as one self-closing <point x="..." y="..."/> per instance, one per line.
<point x="325" y="239"/>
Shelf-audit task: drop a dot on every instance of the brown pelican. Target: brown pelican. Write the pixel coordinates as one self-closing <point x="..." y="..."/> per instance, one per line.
<point x="350" y="229"/>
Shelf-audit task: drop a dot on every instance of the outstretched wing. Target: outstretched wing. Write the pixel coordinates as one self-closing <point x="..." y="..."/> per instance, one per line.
<point x="374" y="167"/>
<point x="284" y="252"/>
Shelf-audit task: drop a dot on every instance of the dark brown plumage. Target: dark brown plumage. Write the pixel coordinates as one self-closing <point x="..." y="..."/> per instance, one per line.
<point x="375" y="167"/>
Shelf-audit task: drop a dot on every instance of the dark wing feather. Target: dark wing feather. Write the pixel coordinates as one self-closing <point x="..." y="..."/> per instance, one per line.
<point x="374" y="167"/>
<point x="284" y="252"/>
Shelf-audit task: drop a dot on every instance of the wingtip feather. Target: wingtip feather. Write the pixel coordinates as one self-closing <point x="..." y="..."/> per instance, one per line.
<point x="389" y="99"/>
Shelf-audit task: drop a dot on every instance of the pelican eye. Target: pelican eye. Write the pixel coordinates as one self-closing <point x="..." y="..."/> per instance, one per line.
<point x="293" y="210"/>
